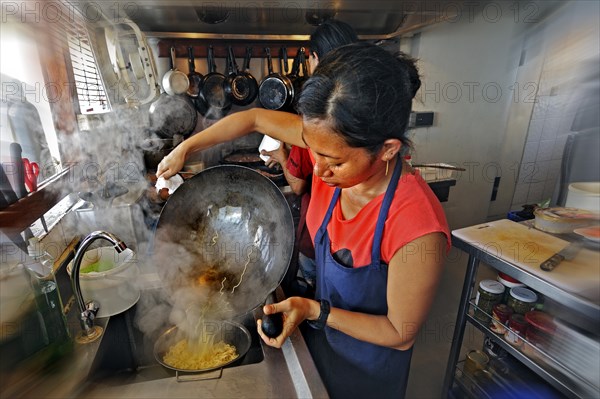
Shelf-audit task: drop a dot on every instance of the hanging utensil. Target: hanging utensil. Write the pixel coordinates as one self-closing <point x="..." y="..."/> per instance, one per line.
<point x="175" y="81"/>
<point x="194" y="77"/>
<point x="173" y="115"/>
<point x="252" y="83"/>
<point x="240" y="86"/>
<point x="212" y="101"/>
<point x="275" y="91"/>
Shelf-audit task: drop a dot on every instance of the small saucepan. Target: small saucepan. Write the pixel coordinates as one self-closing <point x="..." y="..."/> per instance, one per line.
<point x="240" y="86"/>
<point x="175" y="81"/>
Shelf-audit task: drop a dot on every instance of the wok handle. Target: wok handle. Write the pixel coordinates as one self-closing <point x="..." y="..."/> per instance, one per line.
<point x="197" y="376"/>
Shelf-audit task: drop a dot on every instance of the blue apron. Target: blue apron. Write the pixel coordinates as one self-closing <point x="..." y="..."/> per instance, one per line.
<point x="358" y="368"/>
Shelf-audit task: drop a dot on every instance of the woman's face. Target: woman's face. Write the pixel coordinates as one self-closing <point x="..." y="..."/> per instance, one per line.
<point x="336" y="163"/>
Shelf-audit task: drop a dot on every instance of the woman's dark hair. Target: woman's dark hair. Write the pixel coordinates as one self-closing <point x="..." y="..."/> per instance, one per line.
<point x="330" y="35"/>
<point x="365" y="94"/>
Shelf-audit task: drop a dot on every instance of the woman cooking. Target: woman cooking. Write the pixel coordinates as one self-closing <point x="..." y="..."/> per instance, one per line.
<point x="380" y="234"/>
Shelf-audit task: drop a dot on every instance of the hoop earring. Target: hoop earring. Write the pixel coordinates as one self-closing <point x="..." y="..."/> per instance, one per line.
<point x="387" y="167"/>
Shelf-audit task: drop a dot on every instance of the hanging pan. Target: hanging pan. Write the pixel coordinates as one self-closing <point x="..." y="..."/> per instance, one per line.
<point x="194" y="77"/>
<point x="213" y="102"/>
<point x="175" y="81"/>
<point x="275" y="91"/>
<point x="240" y="86"/>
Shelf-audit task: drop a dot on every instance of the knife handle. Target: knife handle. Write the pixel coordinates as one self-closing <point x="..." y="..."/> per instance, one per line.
<point x="16" y="154"/>
<point x="549" y="264"/>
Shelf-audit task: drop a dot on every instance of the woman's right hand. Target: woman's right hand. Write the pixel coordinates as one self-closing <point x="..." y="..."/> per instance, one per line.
<point x="295" y="310"/>
<point x="172" y="163"/>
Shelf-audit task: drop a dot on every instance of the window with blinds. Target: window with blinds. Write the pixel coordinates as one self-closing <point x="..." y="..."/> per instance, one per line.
<point x="88" y="82"/>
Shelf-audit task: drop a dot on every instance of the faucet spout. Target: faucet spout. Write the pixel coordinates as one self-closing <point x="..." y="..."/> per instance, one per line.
<point x="89" y="311"/>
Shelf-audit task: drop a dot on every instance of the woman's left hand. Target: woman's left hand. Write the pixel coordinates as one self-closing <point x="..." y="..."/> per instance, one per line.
<point x="295" y="310"/>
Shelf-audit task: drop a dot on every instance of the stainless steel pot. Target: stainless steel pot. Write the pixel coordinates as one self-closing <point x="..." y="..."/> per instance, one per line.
<point x="224" y="240"/>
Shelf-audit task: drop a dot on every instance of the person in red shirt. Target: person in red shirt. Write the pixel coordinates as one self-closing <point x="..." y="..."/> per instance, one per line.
<point x="296" y="163"/>
<point x="379" y="232"/>
<point x="297" y="168"/>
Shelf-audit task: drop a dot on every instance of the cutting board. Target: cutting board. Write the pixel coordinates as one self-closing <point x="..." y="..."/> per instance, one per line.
<point x="527" y="247"/>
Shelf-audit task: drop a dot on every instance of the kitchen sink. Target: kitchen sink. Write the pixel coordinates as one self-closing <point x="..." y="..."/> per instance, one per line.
<point x="126" y="353"/>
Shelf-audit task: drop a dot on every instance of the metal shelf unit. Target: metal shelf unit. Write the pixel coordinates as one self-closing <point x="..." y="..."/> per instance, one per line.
<point x="558" y="376"/>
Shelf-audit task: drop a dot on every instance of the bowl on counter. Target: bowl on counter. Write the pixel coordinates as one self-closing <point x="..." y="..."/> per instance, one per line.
<point x="109" y="278"/>
<point x="584" y="195"/>
<point x="560" y="220"/>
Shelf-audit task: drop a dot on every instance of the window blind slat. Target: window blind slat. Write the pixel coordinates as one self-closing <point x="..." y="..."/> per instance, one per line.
<point x="88" y="82"/>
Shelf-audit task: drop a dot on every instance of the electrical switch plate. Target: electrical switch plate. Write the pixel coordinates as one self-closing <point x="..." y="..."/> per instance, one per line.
<point x="420" y="119"/>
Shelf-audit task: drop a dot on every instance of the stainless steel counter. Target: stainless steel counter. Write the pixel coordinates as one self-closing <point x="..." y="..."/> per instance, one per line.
<point x="289" y="372"/>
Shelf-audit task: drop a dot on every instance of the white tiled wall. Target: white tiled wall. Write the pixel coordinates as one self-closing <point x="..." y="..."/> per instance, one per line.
<point x="570" y="43"/>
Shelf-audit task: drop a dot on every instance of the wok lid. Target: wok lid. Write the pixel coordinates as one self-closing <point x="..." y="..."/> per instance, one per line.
<point x="224" y="240"/>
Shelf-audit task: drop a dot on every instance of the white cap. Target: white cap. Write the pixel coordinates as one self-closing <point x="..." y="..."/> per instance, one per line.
<point x="523" y="294"/>
<point x="492" y="286"/>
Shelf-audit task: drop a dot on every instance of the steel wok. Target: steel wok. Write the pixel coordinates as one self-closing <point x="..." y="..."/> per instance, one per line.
<point x="224" y="241"/>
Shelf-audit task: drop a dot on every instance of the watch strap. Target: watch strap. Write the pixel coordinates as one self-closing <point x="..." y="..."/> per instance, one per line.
<point x="320" y="323"/>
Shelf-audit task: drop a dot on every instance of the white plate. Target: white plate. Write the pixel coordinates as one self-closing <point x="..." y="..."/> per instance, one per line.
<point x="590" y="233"/>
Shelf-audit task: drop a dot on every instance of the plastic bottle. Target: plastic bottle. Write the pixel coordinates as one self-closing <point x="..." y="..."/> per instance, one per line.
<point x="54" y="332"/>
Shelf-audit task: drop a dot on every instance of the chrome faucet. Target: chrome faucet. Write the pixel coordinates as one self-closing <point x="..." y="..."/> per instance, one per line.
<point x="89" y="311"/>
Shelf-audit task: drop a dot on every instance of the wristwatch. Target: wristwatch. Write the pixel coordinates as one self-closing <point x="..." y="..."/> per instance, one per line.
<point x="320" y="323"/>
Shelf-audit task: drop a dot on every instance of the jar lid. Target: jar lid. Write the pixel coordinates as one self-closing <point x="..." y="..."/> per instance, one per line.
<point x="492" y="286"/>
<point x="540" y="320"/>
<point x="523" y="294"/>
<point x="508" y="278"/>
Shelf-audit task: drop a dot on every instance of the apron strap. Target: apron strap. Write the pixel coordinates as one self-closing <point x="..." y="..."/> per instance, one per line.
<point x="383" y="212"/>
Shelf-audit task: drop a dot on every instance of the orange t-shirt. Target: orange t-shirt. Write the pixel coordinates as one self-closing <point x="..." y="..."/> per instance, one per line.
<point x="415" y="211"/>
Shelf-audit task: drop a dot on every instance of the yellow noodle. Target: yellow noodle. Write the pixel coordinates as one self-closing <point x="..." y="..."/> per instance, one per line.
<point x="243" y="272"/>
<point x="222" y="285"/>
<point x="182" y="356"/>
<point x="214" y="239"/>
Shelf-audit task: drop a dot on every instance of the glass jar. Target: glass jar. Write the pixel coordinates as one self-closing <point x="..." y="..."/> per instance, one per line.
<point x="540" y="332"/>
<point x="475" y="360"/>
<point x="517" y="328"/>
<point x="508" y="282"/>
<point x="522" y="300"/>
<point x="500" y="315"/>
<point x="489" y="294"/>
